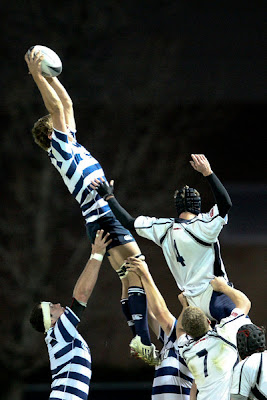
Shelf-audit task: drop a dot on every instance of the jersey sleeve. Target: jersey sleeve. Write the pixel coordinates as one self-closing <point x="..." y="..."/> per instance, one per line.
<point x="61" y="147"/>
<point x="181" y="341"/>
<point x="229" y="326"/>
<point x="152" y="228"/>
<point x="211" y="224"/>
<point x="65" y="327"/>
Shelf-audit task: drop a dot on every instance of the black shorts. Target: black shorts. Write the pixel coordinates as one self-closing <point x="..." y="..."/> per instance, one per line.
<point x="111" y="225"/>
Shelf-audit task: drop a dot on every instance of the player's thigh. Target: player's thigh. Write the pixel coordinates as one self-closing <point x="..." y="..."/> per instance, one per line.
<point x="118" y="254"/>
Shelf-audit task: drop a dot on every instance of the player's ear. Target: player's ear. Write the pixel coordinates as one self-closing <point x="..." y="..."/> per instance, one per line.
<point x="53" y="321"/>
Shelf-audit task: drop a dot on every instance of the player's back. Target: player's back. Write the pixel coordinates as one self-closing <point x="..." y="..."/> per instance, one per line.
<point x="250" y="376"/>
<point x="211" y="360"/>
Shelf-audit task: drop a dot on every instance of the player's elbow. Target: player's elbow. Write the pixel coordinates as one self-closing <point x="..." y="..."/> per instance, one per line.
<point x="248" y="306"/>
<point x="56" y="107"/>
<point x="245" y="306"/>
<point x="80" y="294"/>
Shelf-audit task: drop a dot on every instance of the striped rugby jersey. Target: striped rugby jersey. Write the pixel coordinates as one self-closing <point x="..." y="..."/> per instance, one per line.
<point x="212" y="357"/>
<point x="172" y="378"/>
<point x="78" y="169"/>
<point x="70" y="359"/>
<point x="190" y="247"/>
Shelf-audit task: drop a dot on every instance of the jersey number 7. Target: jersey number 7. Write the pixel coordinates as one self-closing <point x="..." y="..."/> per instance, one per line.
<point x="204" y="353"/>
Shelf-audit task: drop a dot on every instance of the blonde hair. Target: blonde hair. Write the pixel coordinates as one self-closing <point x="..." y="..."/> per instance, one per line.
<point x="40" y="131"/>
<point x="195" y="323"/>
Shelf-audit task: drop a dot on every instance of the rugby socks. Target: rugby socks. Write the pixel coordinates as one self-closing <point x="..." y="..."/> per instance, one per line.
<point x="126" y="312"/>
<point x="138" y="309"/>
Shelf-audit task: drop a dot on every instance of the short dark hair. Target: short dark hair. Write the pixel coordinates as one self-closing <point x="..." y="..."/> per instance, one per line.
<point x="195" y="322"/>
<point x="37" y="319"/>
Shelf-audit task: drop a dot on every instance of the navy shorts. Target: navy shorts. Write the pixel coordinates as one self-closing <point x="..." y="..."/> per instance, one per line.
<point x="221" y="305"/>
<point x="111" y="225"/>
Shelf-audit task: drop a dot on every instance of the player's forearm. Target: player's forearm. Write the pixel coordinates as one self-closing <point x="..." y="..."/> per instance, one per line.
<point x="156" y="302"/>
<point x="221" y="195"/>
<point x="51" y="100"/>
<point x="121" y="214"/>
<point x="61" y="91"/>
<point x="87" y="280"/>
<point x="239" y="298"/>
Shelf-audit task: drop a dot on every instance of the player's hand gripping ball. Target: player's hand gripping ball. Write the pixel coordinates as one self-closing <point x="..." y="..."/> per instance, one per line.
<point x="51" y="65"/>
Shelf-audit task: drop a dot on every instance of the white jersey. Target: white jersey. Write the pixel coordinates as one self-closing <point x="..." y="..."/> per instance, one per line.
<point x="78" y="169"/>
<point x="212" y="357"/>
<point x="70" y="359"/>
<point x="250" y="378"/>
<point x="172" y="378"/>
<point x="190" y="247"/>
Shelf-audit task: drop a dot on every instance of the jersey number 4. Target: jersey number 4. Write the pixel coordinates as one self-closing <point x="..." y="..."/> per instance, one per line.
<point x="179" y="258"/>
<point x="204" y="353"/>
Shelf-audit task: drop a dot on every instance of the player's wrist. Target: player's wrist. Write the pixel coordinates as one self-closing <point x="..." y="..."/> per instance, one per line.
<point x="109" y="196"/>
<point x="97" y="256"/>
<point x="207" y="173"/>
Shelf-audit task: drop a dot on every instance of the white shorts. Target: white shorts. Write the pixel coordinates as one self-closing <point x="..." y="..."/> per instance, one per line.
<point x="202" y="301"/>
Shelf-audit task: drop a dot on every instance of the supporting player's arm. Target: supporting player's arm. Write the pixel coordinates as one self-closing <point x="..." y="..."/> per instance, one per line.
<point x="87" y="280"/>
<point x="240" y="300"/>
<point x="155" y="300"/>
<point x="106" y="190"/>
<point x="193" y="391"/>
<point x="50" y="97"/>
<point x="200" y="163"/>
<point x="179" y="328"/>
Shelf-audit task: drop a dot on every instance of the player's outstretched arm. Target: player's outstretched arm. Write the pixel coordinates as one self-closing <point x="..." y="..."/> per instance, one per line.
<point x="50" y="97"/>
<point x="240" y="300"/>
<point x="87" y="280"/>
<point x="179" y="328"/>
<point x="200" y="163"/>
<point x="65" y="100"/>
<point x="106" y="190"/>
<point x="155" y="300"/>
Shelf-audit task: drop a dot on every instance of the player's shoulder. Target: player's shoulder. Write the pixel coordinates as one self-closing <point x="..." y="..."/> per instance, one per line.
<point x="254" y="360"/>
<point x="183" y="342"/>
<point x="149" y="221"/>
<point x="236" y="313"/>
<point x="210" y="215"/>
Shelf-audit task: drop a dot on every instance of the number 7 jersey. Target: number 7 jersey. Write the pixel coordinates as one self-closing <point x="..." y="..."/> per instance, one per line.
<point x="190" y="247"/>
<point x="211" y="358"/>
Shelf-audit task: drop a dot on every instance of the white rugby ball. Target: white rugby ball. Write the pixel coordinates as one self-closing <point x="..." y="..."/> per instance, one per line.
<point x="51" y="64"/>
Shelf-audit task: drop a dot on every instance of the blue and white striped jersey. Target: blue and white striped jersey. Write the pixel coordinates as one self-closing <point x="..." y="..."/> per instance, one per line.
<point x="70" y="359"/>
<point x="190" y="247"/>
<point x="78" y="169"/>
<point x="172" y="378"/>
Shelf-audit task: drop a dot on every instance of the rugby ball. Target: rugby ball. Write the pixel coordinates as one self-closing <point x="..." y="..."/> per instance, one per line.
<point x="51" y="64"/>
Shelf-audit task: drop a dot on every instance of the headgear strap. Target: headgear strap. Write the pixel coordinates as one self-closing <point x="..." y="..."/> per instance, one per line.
<point x="45" y="305"/>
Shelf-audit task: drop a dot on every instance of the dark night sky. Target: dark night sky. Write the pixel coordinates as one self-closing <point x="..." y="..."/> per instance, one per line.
<point x="135" y="68"/>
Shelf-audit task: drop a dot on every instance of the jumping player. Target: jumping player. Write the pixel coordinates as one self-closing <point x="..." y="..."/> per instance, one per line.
<point x="212" y="353"/>
<point x="70" y="357"/>
<point x="190" y="242"/>
<point x="56" y="134"/>
<point x="250" y="375"/>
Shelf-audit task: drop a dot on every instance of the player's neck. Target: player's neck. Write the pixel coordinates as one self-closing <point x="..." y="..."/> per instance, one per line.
<point x="187" y="215"/>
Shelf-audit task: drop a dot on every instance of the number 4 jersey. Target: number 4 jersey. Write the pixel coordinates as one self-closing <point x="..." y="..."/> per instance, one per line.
<point x="190" y="247"/>
<point x="211" y="358"/>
